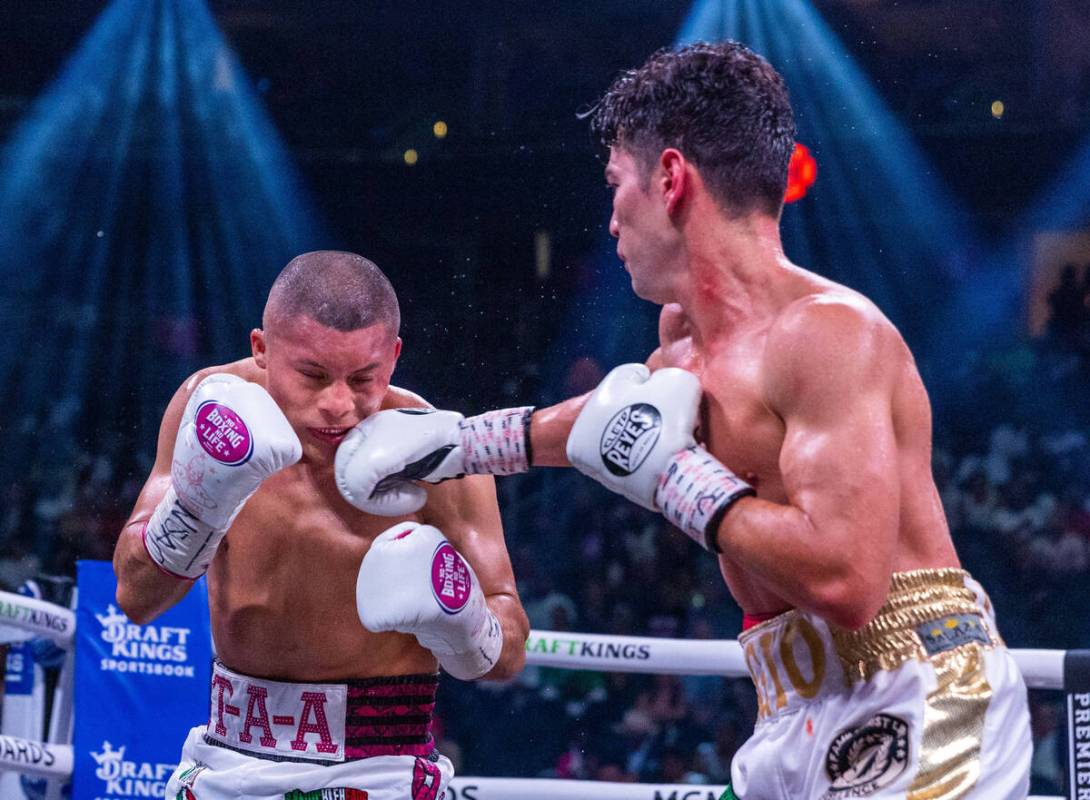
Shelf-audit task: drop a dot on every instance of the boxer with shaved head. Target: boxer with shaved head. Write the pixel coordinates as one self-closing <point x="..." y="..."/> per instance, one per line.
<point x="329" y="622"/>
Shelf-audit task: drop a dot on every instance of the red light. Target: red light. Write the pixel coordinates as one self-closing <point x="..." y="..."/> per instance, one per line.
<point x="801" y="173"/>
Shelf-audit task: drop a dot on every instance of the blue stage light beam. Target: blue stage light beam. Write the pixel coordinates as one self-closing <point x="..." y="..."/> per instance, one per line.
<point x="148" y="204"/>
<point x="1065" y="203"/>
<point x="878" y="219"/>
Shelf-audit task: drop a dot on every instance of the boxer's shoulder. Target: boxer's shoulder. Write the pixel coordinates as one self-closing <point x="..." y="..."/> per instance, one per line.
<point x="830" y="333"/>
<point x="396" y="397"/>
<point x="675" y="341"/>
<point x="244" y="368"/>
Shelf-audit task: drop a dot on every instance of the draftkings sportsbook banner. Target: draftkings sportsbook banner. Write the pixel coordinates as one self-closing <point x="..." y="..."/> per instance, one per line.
<point x="140" y="689"/>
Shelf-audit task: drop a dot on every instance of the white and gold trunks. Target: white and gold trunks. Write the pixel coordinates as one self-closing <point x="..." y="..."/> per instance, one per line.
<point x="922" y="703"/>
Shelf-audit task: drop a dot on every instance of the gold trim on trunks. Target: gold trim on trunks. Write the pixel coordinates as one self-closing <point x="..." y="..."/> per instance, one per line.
<point x="953" y="726"/>
<point x="890" y="639"/>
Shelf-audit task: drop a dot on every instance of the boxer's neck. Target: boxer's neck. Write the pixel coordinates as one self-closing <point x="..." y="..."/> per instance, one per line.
<point x="737" y="277"/>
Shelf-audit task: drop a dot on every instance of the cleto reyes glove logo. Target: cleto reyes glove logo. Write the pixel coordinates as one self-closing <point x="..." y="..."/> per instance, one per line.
<point x="628" y="438"/>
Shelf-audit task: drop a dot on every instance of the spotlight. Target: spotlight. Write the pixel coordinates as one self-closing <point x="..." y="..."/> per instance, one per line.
<point x="439" y="129"/>
<point x="411" y="156"/>
<point x="998" y="109"/>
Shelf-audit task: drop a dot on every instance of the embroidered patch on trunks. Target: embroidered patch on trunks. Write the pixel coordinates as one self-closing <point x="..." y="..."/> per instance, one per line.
<point x="867" y="758"/>
<point x="426" y="780"/>
<point x="327" y="794"/>
<point x="187" y="779"/>
<point x="946" y="633"/>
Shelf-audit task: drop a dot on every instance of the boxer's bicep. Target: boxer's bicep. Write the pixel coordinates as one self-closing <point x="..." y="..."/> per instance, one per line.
<point x="839" y="461"/>
<point x="840" y="469"/>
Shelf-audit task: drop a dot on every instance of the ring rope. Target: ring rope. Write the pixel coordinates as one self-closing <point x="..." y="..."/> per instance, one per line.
<point x="1042" y="669"/>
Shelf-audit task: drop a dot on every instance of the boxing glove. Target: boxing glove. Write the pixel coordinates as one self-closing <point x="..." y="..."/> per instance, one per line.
<point x="379" y="459"/>
<point x="412" y="580"/>
<point x="634" y="435"/>
<point x="232" y="436"/>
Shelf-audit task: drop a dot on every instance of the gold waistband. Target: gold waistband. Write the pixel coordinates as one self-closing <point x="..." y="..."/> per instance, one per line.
<point x="916" y="598"/>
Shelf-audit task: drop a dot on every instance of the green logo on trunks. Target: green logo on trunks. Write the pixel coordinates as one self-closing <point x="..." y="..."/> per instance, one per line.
<point x="327" y="794"/>
<point x="728" y="794"/>
<point x="187" y="779"/>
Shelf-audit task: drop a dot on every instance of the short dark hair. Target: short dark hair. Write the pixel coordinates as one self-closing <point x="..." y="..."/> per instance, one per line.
<point x="721" y="105"/>
<point x="342" y="291"/>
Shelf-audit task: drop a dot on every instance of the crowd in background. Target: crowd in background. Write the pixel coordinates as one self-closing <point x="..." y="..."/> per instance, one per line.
<point x="1012" y="464"/>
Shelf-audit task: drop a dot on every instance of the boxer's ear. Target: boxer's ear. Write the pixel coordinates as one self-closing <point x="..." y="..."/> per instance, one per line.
<point x="674" y="179"/>
<point x="257" y="346"/>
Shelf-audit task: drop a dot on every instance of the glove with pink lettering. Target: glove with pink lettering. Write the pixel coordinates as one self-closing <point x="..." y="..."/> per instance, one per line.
<point x="635" y="437"/>
<point x="232" y="436"/>
<point x="412" y="580"/>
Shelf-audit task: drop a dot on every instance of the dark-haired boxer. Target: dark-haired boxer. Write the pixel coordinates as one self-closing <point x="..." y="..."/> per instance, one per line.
<point x="306" y="701"/>
<point x="878" y="666"/>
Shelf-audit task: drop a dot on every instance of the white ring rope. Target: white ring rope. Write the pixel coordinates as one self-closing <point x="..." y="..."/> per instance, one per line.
<point x="33" y="617"/>
<point x="1042" y="669"/>
<point x="35" y="758"/>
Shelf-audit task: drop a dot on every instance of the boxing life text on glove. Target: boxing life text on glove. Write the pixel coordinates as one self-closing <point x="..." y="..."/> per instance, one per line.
<point x="380" y="458"/>
<point x="635" y="437"/>
<point x="412" y="580"/>
<point x="231" y="437"/>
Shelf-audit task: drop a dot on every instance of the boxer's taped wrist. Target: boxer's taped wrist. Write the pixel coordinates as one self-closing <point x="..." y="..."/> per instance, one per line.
<point x="482" y="655"/>
<point x="178" y="542"/>
<point x="695" y="492"/>
<point x="497" y="442"/>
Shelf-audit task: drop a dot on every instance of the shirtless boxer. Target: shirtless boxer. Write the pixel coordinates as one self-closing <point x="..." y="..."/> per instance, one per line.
<point x="304" y="698"/>
<point x="878" y="667"/>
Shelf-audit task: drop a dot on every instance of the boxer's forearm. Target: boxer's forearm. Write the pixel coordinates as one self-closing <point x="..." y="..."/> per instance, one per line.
<point x="833" y="576"/>
<point x="549" y="431"/>
<point x="516" y="629"/>
<point x="143" y="590"/>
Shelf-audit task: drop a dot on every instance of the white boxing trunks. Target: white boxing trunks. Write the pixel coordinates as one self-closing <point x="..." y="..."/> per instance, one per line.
<point x="365" y="739"/>
<point x="923" y="703"/>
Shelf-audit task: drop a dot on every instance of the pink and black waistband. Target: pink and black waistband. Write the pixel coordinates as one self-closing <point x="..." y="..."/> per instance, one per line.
<point x="322" y="722"/>
<point x="390" y="716"/>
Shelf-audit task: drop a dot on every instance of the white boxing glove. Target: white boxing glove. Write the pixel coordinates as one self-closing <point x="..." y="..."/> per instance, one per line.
<point x="412" y="580"/>
<point x="232" y="436"/>
<point x="380" y="458"/>
<point x="635" y="437"/>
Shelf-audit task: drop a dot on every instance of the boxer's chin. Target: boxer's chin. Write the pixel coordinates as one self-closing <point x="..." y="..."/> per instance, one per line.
<point x="650" y="290"/>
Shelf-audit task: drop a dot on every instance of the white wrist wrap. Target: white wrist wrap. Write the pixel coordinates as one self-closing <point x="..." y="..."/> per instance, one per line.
<point x="177" y="541"/>
<point x="696" y="491"/>
<point x="468" y="665"/>
<point x="497" y="442"/>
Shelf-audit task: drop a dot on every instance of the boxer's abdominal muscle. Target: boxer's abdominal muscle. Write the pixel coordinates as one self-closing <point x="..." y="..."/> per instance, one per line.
<point x="282" y="591"/>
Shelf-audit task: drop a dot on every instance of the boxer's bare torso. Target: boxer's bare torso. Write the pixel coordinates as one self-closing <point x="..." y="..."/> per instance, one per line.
<point x="283" y="582"/>
<point x="742" y="424"/>
<point x="281" y="586"/>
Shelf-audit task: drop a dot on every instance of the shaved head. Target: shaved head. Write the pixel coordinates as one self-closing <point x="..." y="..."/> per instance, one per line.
<point x="342" y="291"/>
